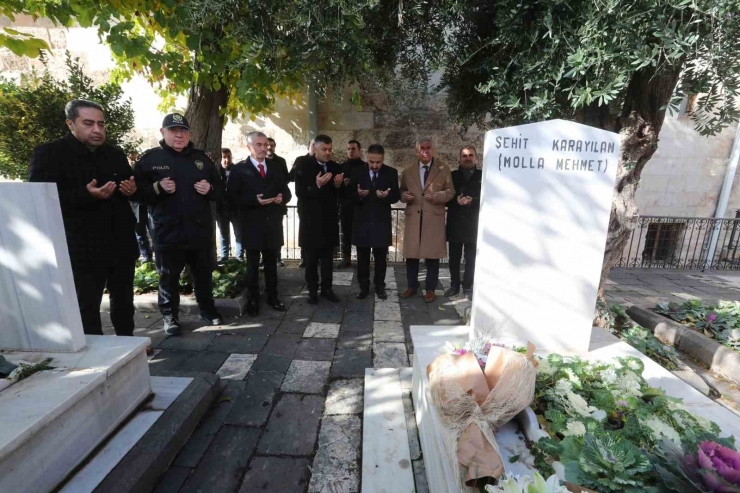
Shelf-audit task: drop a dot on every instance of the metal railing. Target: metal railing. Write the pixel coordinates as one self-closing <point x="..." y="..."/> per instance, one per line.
<point x="291" y="250"/>
<point x="700" y="243"/>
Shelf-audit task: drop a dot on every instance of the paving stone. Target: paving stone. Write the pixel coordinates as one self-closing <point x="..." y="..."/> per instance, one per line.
<point x="345" y="397"/>
<point x="361" y="306"/>
<point x="254" y="403"/>
<point x="293" y="326"/>
<point x="354" y="340"/>
<point x="390" y="355"/>
<point x="314" y="349"/>
<point x="242" y="344"/>
<point x="411" y="431"/>
<point x="157" y="335"/>
<point x="188" y="341"/>
<point x="196" y="446"/>
<point x="328" y="312"/>
<point x="272" y="362"/>
<point x="387" y="310"/>
<point x="203" y="361"/>
<point x="307" y="377"/>
<point x="236" y="366"/>
<point x="167" y="360"/>
<point x="245" y="327"/>
<point x="420" y="476"/>
<point x="282" y="344"/>
<point x="277" y="474"/>
<point x="142" y="320"/>
<point x="336" y="466"/>
<point x="342" y="278"/>
<point x="322" y="330"/>
<point x="293" y="426"/>
<point x="388" y="331"/>
<point x="222" y="465"/>
<point x="173" y="479"/>
<point x="351" y="362"/>
<point x="358" y="322"/>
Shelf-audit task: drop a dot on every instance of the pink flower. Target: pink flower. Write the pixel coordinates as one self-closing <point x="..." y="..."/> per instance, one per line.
<point x="459" y="352"/>
<point x="717" y="467"/>
<point x="711" y="317"/>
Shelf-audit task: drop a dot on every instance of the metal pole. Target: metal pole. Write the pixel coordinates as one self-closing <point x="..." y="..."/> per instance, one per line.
<point x="724" y="196"/>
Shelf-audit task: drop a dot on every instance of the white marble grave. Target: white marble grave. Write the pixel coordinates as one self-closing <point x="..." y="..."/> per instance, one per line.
<point x="545" y="205"/>
<point x="38" y="305"/>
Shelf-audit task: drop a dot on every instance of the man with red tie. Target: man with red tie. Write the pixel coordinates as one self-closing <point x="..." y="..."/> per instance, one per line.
<point x="256" y="189"/>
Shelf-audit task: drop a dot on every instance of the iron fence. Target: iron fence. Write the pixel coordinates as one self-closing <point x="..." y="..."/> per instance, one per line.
<point x="665" y="242"/>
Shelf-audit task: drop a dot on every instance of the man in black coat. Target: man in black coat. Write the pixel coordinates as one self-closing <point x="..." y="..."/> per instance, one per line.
<point x="224" y="215"/>
<point x="317" y="185"/>
<point x="179" y="182"/>
<point x="95" y="185"/>
<point x="258" y="187"/>
<point x="291" y="178"/>
<point x="283" y="165"/>
<point x="374" y="188"/>
<point x="347" y="202"/>
<point x="462" y="221"/>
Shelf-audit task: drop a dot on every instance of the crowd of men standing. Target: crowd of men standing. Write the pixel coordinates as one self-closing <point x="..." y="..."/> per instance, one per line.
<point x="176" y="188"/>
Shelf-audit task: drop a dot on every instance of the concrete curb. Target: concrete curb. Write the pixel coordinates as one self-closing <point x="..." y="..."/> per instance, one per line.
<point x="142" y="467"/>
<point x="228" y="307"/>
<point x="714" y="355"/>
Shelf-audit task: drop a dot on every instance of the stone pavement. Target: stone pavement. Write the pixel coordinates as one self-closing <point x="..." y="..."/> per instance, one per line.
<point x="648" y="287"/>
<point x="290" y="416"/>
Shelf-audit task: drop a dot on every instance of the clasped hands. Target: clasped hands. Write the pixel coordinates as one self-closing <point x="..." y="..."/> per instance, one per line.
<point x="380" y="193"/>
<point x="278" y="199"/>
<point x="322" y="180"/>
<point x="464" y="199"/>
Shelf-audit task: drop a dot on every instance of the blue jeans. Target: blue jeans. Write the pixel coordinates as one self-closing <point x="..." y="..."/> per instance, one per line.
<point x="224" y="224"/>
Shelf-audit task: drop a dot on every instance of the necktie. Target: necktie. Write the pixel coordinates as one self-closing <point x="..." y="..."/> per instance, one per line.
<point x="323" y="166"/>
<point x="426" y="173"/>
<point x="262" y="170"/>
<point x="375" y="178"/>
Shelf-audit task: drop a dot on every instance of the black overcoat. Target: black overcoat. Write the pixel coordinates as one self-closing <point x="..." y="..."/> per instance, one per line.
<point x="462" y="221"/>
<point x="372" y="222"/>
<point x="262" y="225"/>
<point x="319" y="225"/>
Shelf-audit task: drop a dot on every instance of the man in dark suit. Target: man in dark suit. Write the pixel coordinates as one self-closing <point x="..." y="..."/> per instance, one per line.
<point x="317" y="185"/>
<point x="291" y="178"/>
<point x="374" y="188"/>
<point x="283" y="165"/>
<point x="224" y="215"/>
<point x="95" y="184"/>
<point x="258" y="187"/>
<point x="346" y="201"/>
<point x="462" y="221"/>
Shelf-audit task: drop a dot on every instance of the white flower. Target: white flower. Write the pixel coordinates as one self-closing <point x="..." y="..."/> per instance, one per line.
<point x="734" y="334"/>
<point x="661" y="429"/>
<point x="572" y="377"/>
<point x="641" y="334"/>
<point x="575" y="428"/>
<point x="525" y="484"/>
<point x="627" y="385"/>
<point x="546" y="368"/>
<point x="633" y="365"/>
<point x="608" y="376"/>
<point x="574" y="404"/>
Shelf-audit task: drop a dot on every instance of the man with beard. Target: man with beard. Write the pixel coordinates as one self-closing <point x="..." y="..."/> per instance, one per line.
<point x="283" y="166"/>
<point x="224" y="215"/>
<point x="346" y="201"/>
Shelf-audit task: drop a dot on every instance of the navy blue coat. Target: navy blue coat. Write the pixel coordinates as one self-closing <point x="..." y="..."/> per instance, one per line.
<point x="372" y="221"/>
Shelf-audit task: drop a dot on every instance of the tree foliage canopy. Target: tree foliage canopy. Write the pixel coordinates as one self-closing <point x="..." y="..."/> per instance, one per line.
<point x="33" y="113"/>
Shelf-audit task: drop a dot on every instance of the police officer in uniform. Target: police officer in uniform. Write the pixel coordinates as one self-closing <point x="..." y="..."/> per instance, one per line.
<point x="179" y="182"/>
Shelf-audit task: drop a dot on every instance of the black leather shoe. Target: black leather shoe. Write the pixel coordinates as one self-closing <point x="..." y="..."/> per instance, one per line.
<point x="313" y="298"/>
<point x="468" y="294"/>
<point x="276" y="304"/>
<point x="381" y="293"/>
<point x="452" y="291"/>
<point x="363" y="294"/>
<point x="329" y="295"/>
<point x="253" y="308"/>
<point x="212" y="317"/>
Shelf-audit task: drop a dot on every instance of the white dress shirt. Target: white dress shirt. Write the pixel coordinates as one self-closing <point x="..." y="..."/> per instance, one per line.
<point x="256" y="164"/>
<point x="421" y="172"/>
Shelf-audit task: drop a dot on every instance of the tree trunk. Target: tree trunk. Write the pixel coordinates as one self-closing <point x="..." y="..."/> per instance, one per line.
<point x="639" y="127"/>
<point x="205" y="118"/>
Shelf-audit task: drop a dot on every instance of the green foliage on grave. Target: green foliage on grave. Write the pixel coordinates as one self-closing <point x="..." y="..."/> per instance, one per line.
<point x="641" y="339"/>
<point x="32" y="112"/>
<point x="228" y="279"/>
<point x="720" y="321"/>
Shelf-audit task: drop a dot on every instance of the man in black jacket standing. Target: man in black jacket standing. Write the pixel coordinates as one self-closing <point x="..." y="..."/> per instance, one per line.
<point x="95" y="185"/>
<point x="179" y="183"/>
<point x="374" y="188"/>
<point x="462" y="221"/>
<point x="224" y="215"/>
<point x="282" y="165"/>
<point x="346" y="201"/>
<point x="258" y="187"/>
<point x="292" y="177"/>
<point x="317" y="185"/>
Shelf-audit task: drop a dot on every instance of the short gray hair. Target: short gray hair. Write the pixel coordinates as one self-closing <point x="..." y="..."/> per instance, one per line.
<point x="421" y="140"/>
<point x="253" y="135"/>
<point x="72" y="109"/>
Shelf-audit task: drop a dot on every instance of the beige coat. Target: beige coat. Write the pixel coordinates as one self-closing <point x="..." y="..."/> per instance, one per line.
<point x="424" y="236"/>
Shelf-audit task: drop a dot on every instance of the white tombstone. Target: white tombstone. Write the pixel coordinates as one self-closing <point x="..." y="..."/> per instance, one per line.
<point x="38" y="304"/>
<point x="545" y="205"/>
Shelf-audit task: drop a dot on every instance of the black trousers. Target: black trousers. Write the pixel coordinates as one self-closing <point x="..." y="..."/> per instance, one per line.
<point x="269" y="258"/>
<point x="172" y="262"/>
<point x="412" y="273"/>
<point x="456" y="252"/>
<point x="91" y="279"/>
<point x="345" y="217"/>
<point x="363" y="267"/>
<point x="324" y="255"/>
